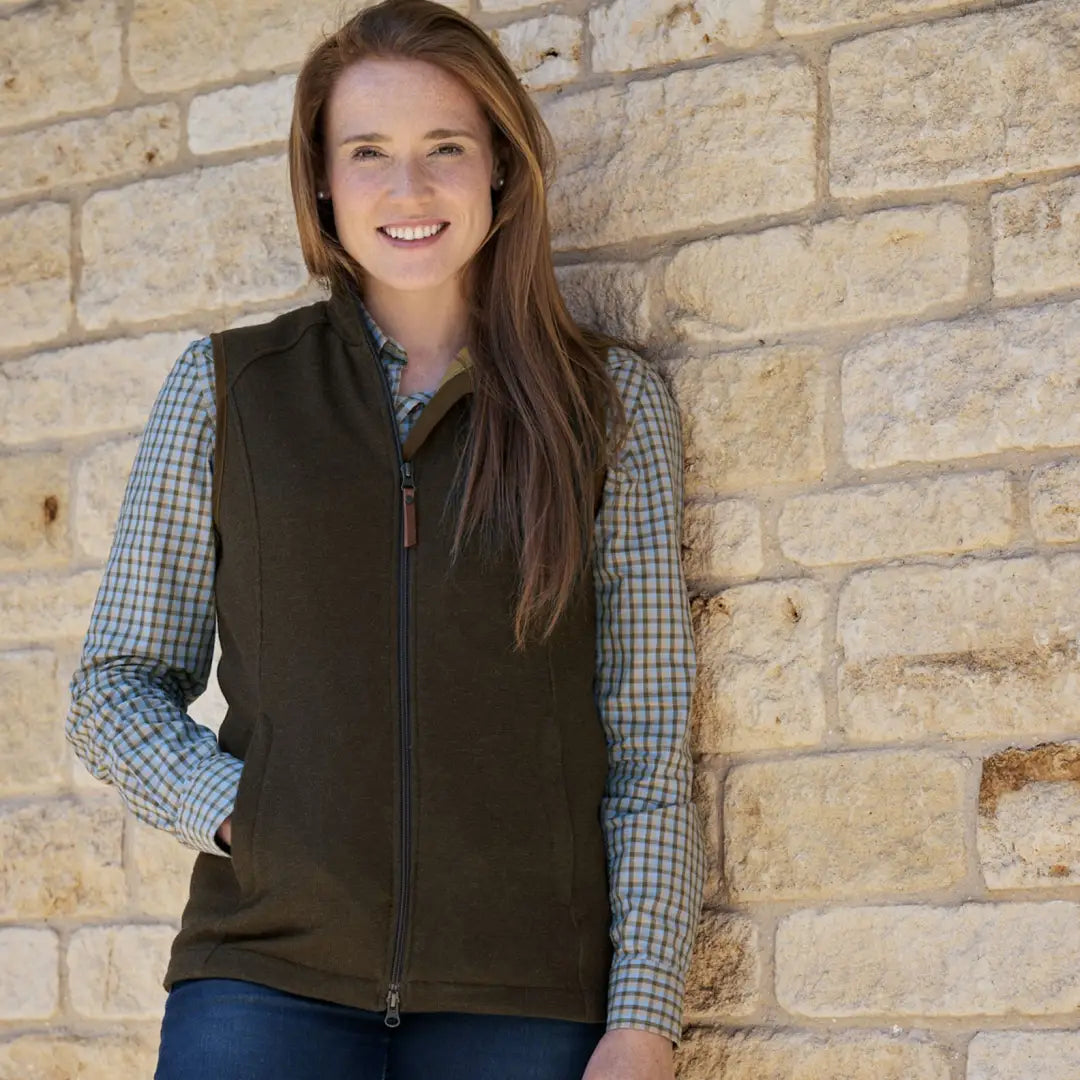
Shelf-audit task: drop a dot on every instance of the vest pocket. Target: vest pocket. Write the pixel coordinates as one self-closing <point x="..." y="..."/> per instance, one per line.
<point x="246" y="811"/>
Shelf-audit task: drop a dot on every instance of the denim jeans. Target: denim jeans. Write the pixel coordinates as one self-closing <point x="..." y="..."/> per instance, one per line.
<point x="225" y="1029"/>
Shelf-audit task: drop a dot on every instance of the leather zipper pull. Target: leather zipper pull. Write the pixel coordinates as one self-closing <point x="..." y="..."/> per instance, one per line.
<point x="408" y="505"/>
<point x="392" y="1018"/>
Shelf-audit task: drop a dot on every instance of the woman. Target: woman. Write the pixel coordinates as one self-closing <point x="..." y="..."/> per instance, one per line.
<point x="445" y="829"/>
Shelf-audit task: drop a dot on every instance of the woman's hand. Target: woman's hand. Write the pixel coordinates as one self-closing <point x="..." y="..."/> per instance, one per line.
<point x="224" y="833"/>
<point x="631" y="1054"/>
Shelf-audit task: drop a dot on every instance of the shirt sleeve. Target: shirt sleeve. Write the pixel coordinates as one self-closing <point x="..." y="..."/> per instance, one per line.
<point x="644" y="682"/>
<point x="149" y="647"/>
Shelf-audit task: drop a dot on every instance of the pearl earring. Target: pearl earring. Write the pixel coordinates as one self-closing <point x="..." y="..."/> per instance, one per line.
<point x="323" y="194"/>
<point x="499" y="181"/>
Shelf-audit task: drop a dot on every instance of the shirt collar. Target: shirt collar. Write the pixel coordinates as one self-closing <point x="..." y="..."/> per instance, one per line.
<point x="387" y="346"/>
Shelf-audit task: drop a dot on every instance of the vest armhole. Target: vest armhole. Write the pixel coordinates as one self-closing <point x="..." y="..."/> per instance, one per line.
<point x="599" y="476"/>
<point x="220" y="415"/>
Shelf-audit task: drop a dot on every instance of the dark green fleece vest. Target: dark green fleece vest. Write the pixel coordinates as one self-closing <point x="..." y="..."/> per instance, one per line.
<point x="417" y="826"/>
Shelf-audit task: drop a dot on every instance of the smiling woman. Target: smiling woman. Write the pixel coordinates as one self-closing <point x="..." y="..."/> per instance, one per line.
<point x="446" y="828"/>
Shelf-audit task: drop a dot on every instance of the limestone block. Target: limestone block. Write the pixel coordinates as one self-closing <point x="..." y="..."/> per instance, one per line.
<point x="1029" y="817"/>
<point x="35" y="273"/>
<point x="1021" y="1055"/>
<point x="178" y="43"/>
<point x="83" y="151"/>
<point x="34" y="497"/>
<point x="710" y="145"/>
<point x="115" y="972"/>
<point x="707" y="799"/>
<point x="946" y="514"/>
<point x="58" y="58"/>
<point x="32" y="750"/>
<point x="127" y="1056"/>
<point x="752" y="418"/>
<point x="29" y="973"/>
<point x="957" y="100"/>
<point x="163" y="866"/>
<point x="801" y="277"/>
<point x="1036" y="237"/>
<point x="612" y="297"/>
<point x="769" y="1054"/>
<point x="807" y="16"/>
<point x="241" y="116"/>
<point x="61" y="857"/>
<point x="1055" y="502"/>
<point x="212" y="237"/>
<point x="980" y="385"/>
<point x="759" y="682"/>
<point x="725" y="970"/>
<point x="545" y="51"/>
<point x="631" y="34"/>
<point x="722" y="540"/>
<point x="841" y="825"/>
<point x="100" y="479"/>
<point x="105" y="387"/>
<point x="985" y="648"/>
<point x="975" y="959"/>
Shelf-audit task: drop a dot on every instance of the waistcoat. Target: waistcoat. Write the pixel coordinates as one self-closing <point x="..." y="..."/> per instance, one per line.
<point x="417" y="823"/>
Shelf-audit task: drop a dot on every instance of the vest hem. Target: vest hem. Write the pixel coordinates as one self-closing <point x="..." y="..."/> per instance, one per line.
<point x="236" y="962"/>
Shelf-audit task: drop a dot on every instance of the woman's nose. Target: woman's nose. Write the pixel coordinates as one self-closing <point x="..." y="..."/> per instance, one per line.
<point x="411" y="178"/>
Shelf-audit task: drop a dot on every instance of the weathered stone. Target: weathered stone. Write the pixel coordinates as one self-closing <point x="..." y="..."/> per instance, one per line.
<point x="241" y="116"/>
<point x="1029" y="817"/>
<point x="964" y="99"/>
<point x="759" y="683"/>
<point x="980" y="385"/>
<point x="59" y="1056"/>
<point x="752" y="418"/>
<point x="750" y="152"/>
<point x="61" y="857"/>
<point x="722" y="540"/>
<point x="545" y="51"/>
<point x="856" y="840"/>
<point x="1055" y="502"/>
<point x="86" y="390"/>
<point x="178" y="43"/>
<point x="1036" y="237"/>
<point x="163" y="866"/>
<point x="115" y="972"/>
<point x="707" y="799"/>
<point x="943" y="514"/>
<point x="32" y="751"/>
<point x="35" y="273"/>
<point x="82" y="151"/>
<point x="631" y="34"/>
<point x="613" y="297"/>
<point x="801" y="277"/>
<point x="1007" y="665"/>
<point x="768" y="1054"/>
<point x="100" y="479"/>
<point x="217" y="236"/>
<point x="807" y="16"/>
<point x="975" y="959"/>
<point x="209" y="709"/>
<point x="1021" y="1055"/>
<point x="725" y="970"/>
<point x="42" y="608"/>
<point x="58" y="58"/>
<point x="34" y="496"/>
<point x="29" y="973"/>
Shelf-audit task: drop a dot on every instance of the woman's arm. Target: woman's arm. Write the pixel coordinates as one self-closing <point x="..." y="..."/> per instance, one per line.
<point x="148" y="651"/>
<point x="644" y="682"/>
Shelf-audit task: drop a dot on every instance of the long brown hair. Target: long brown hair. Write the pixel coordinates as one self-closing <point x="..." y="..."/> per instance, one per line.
<point x="545" y="413"/>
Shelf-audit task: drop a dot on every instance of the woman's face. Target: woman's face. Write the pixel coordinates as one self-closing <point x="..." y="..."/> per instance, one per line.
<point x="410" y="169"/>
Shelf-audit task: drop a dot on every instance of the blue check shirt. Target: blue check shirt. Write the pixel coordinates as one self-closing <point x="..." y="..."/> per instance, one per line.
<point x="149" y="649"/>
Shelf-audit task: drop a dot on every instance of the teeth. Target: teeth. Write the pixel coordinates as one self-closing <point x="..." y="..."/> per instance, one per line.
<point x="409" y="233"/>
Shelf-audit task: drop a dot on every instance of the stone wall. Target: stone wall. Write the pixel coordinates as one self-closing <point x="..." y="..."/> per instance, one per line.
<point x="849" y="233"/>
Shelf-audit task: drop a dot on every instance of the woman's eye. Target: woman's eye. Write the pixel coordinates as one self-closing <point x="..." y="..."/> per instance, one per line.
<point x="366" y="153"/>
<point x="448" y="149"/>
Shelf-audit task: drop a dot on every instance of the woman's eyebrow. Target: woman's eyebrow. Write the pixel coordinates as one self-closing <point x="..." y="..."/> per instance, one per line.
<point x="437" y="133"/>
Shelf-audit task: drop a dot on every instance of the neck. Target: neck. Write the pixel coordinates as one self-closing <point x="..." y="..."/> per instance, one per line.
<point x="430" y="325"/>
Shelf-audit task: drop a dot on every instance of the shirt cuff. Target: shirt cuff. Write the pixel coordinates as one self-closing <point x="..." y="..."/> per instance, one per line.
<point x="644" y="996"/>
<point x="208" y="800"/>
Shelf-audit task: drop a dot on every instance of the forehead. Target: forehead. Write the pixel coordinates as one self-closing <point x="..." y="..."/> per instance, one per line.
<point x="397" y="96"/>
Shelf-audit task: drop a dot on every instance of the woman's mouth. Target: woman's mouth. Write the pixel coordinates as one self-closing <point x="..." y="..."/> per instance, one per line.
<point x="413" y="234"/>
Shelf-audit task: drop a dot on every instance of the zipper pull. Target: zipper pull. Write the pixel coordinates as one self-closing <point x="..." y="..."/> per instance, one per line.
<point x="393" y="998"/>
<point x="408" y="504"/>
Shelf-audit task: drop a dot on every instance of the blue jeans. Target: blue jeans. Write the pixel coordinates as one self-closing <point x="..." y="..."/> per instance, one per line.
<point x="224" y="1029"/>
